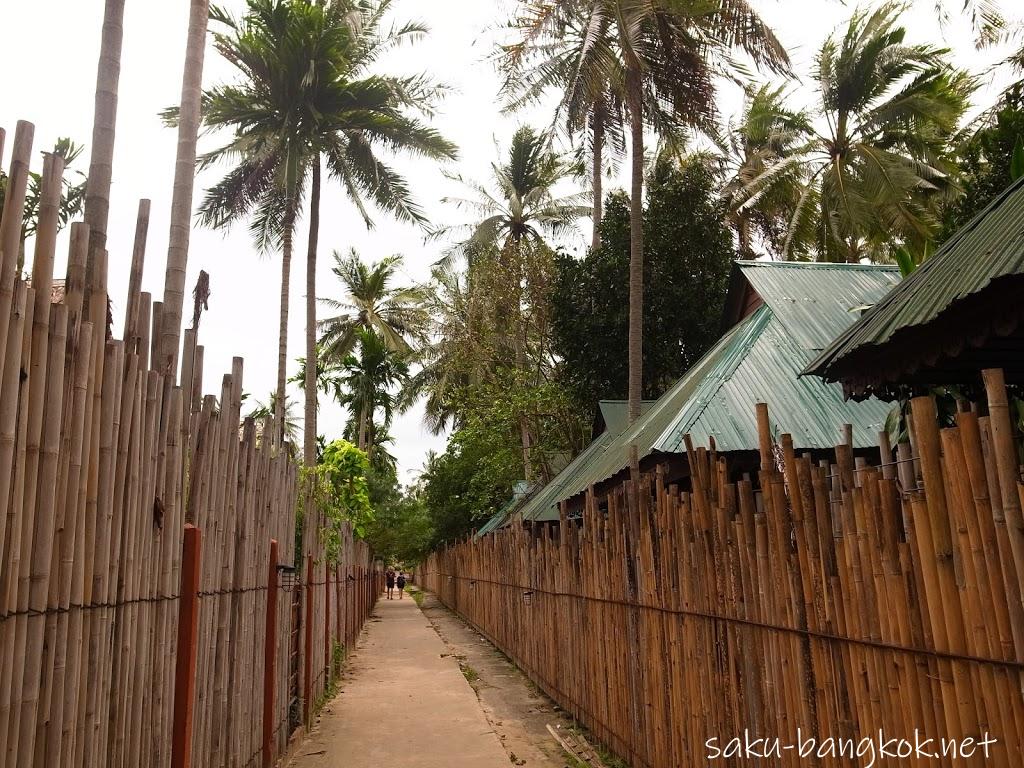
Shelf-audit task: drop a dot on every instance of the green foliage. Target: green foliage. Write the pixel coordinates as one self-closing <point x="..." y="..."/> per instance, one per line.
<point x="875" y="164"/>
<point x="475" y="475"/>
<point x="688" y="258"/>
<point x="372" y="302"/>
<point x="1017" y="160"/>
<point x="987" y="157"/>
<point x="523" y="207"/>
<point x="401" y="531"/>
<point x="340" y="490"/>
<point x="767" y="133"/>
<point x="264" y="410"/>
<point x="306" y="92"/>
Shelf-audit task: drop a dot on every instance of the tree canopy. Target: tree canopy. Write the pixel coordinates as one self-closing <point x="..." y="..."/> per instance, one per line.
<point x="688" y="261"/>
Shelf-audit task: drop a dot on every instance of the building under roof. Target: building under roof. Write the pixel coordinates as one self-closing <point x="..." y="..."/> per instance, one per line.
<point x="780" y="316"/>
<point x="960" y="312"/>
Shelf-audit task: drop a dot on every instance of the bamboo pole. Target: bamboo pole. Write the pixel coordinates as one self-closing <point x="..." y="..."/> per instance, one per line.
<point x="135" y="276"/>
<point x="1006" y="467"/>
<point x="10" y="225"/>
<point x="40" y="566"/>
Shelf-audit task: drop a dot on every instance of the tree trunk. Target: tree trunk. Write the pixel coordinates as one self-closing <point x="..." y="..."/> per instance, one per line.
<point x="282" y="335"/>
<point x="101" y="158"/>
<point x="636" y="244"/>
<point x="309" y="430"/>
<point x="184" y="177"/>
<point x="363" y="420"/>
<point x="519" y="330"/>
<point x="597" y="182"/>
<point x="743" y="232"/>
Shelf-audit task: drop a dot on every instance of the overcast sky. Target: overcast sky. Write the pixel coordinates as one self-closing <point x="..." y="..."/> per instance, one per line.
<point x="49" y="79"/>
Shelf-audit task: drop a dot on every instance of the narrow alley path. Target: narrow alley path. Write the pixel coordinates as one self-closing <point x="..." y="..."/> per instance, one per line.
<point x="404" y="703"/>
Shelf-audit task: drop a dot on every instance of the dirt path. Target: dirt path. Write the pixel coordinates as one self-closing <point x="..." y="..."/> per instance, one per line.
<point x="404" y="703"/>
<point x="517" y="711"/>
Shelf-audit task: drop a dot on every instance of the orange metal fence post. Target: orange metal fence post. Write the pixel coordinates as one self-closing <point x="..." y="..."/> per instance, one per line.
<point x="308" y="703"/>
<point x="270" y="659"/>
<point x="185" y="661"/>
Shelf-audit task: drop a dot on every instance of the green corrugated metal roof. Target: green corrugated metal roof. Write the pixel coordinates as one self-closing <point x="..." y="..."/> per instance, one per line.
<point x="990" y="248"/>
<point x="615" y="413"/>
<point x="758" y="360"/>
<point x="814" y="300"/>
<point x="764" y="365"/>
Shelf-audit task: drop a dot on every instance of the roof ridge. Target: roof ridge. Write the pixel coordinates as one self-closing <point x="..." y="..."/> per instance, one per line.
<point x="815" y="265"/>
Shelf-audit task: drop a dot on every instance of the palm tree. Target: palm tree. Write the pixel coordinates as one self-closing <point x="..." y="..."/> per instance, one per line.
<point x="514" y="221"/>
<point x="370" y="378"/>
<point x="455" y="355"/>
<point x="523" y="208"/>
<point x="181" y="197"/>
<point x="267" y="151"/>
<point x="591" y="98"/>
<point x="669" y="50"/>
<point x="877" y="170"/>
<point x="341" y="118"/>
<point x="767" y="133"/>
<point x="396" y="314"/>
<point x="101" y="160"/>
<point x="353" y="114"/>
<point x="262" y="410"/>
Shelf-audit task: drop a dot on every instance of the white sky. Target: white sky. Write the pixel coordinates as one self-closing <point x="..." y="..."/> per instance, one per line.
<point x="52" y="84"/>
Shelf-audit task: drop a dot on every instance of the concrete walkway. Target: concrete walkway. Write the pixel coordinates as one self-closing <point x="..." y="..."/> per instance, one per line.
<point x="404" y="703"/>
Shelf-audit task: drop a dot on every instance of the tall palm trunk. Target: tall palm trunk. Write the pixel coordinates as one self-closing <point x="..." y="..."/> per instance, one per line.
<point x="519" y="331"/>
<point x="184" y="177"/>
<point x="101" y="159"/>
<point x="597" y="182"/>
<point x="743" y="232"/>
<point x="636" y="243"/>
<point x="309" y="431"/>
<point x="364" y="420"/>
<point x="282" y="334"/>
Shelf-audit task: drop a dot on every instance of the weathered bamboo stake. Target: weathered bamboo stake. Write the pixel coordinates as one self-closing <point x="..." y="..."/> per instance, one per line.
<point x="17" y="545"/>
<point x="8" y="428"/>
<point x="227" y="440"/>
<point x="27" y="499"/>
<point x="10" y="226"/>
<point x="96" y="296"/>
<point x="131" y="311"/>
<point x="102" y="528"/>
<point x="81" y="584"/>
<point x="1007" y="468"/>
<point x="172" y="523"/>
<point x="70" y="577"/>
<point x="139" y="579"/>
<point x="44" y="524"/>
<point x="42" y="279"/>
<point x="119" y="687"/>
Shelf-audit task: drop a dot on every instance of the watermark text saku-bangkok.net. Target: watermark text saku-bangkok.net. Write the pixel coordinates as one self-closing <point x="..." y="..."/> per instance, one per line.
<point x="868" y="750"/>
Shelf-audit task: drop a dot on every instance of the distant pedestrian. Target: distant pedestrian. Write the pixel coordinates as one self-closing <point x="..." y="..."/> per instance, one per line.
<point x="401" y="584"/>
<point x="389" y="582"/>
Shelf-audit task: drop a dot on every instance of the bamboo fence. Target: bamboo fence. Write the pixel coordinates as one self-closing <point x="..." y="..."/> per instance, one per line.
<point x="104" y="463"/>
<point x="823" y="599"/>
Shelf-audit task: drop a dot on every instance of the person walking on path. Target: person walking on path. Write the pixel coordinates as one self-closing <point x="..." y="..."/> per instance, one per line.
<point x="389" y="582"/>
<point x="400" y="583"/>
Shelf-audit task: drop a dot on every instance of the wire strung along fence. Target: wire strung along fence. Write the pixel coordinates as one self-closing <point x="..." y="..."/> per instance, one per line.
<point x="830" y="600"/>
<point x="144" y="532"/>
